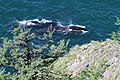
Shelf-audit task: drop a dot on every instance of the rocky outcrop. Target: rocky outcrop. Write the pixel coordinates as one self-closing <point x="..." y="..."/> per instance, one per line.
<point x="81" y="57"/>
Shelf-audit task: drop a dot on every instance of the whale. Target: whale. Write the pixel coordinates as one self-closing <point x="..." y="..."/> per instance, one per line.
<point x="43" y="25"/>
<point x="64" y="30"/>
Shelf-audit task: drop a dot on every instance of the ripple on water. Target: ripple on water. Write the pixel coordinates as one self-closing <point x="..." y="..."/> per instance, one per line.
<point x="97" y="15"/>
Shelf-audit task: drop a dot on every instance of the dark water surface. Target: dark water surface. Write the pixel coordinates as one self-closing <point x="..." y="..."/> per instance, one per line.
<point x="98" y="16"/>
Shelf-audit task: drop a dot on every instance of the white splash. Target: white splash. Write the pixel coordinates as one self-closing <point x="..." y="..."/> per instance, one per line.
<point x="77" y="25"/>
<point x="59" y="24"/>
<point x="26" y="23"/>
<point x="46" y="21"/>
<point x="30" y="23"/>
<point x="83" y="32"/>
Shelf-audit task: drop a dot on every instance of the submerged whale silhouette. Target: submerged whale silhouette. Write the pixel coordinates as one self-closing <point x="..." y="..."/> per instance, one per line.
<point x="52" y="25"/>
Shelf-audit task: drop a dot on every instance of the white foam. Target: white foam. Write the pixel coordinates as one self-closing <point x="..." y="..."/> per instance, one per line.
<point x="70" y="29"/>
<point x="22" y="22"/>
<point x="71" y="25"/>
<point x="26" y="23"/>
<point x="77" y="25"/>
<point x="80" y="26"/>
<point x="46" y="21"/>
<point x="83" y="32"/>
<point x="30" y="23"/>
<point x="36" y="20"/>
<point x="59" y="24"/>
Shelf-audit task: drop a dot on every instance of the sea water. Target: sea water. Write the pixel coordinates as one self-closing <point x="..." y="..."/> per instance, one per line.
<point x="98" y="16"/>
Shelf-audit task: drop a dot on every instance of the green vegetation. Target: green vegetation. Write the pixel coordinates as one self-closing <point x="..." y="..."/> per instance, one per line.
<point x="94" y="72"/>
<point x="39" y="58"/>
<point x="93" y="61"/>
<point x="31" y="62"/>
<point x="116" y="35"/>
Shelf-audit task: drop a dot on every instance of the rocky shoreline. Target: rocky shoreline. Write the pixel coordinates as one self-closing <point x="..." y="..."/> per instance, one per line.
<point x="82" y="57"/>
